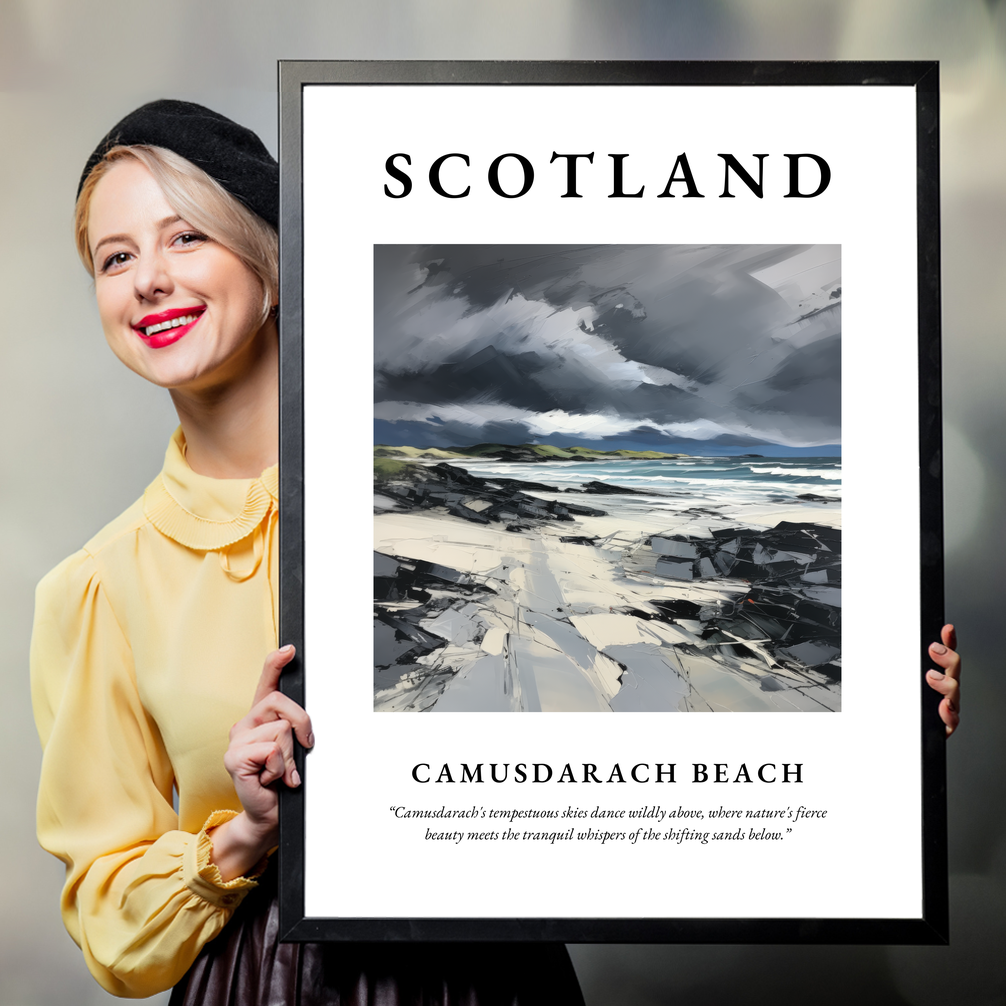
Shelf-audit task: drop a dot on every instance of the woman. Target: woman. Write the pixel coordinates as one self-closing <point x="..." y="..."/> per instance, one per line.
<point x="148" y="643"/>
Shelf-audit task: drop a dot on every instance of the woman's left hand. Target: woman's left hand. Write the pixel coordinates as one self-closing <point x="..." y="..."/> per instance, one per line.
<point x="947" y="682"/>
<point x="260" y="754"/>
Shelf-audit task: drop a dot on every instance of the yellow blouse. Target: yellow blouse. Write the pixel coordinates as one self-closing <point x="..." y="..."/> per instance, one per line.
<point x="147" y="647"/>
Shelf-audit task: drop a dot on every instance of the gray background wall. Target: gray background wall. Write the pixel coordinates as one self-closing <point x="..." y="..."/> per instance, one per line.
<point x="82" y="436"/>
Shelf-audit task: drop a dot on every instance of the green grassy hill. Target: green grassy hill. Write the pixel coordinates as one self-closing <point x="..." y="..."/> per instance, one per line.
<point x="384" y="451"/>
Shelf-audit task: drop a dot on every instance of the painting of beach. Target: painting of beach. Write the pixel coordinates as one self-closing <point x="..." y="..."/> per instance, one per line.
<point x="607" y="478"/>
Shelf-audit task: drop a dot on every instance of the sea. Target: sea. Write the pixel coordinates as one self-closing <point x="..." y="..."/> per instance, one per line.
<point x="737" y="481"/>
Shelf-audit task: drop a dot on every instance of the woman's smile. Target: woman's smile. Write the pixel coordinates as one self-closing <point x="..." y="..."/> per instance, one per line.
<point x="166" y="327"/>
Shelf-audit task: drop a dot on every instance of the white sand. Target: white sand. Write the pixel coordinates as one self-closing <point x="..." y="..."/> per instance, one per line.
<point x="552" y="636"/>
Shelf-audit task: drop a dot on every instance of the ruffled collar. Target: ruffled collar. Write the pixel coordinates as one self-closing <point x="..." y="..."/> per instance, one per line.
<point x="203" y="513"/>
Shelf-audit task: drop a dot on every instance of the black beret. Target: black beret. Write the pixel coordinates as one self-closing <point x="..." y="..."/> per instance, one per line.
<point x="230" y="154"/>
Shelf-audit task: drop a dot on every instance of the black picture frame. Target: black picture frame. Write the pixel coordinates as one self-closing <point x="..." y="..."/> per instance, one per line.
<point x="931" y="925"/>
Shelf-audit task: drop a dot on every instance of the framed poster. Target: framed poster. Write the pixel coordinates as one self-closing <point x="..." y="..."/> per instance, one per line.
<point x="565" y="371"/>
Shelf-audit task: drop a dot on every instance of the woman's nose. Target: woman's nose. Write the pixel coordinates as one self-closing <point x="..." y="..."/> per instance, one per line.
<point x="152" y="277"/>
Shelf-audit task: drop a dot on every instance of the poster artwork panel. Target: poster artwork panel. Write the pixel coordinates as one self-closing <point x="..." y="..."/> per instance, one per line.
<point x="607" y="478"/>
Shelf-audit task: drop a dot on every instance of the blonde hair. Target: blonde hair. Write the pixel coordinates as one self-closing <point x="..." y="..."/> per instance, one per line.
<point x="199" y="200"/>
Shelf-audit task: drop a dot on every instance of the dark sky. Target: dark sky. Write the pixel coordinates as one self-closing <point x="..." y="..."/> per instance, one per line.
<point x="648" y="345"/>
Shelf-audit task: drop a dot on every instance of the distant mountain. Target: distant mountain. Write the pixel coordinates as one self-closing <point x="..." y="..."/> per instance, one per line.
<point x="516" y="452"/>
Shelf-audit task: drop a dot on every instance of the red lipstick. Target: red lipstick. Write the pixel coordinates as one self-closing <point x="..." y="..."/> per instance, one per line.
<point x="166" y="327"/>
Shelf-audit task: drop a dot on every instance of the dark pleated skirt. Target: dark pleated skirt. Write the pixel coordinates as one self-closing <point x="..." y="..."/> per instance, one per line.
<point x="246" y="965"/>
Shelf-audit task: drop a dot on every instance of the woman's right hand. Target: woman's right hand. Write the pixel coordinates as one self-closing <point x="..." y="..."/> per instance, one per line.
<point x="948" y="681"/>
<point x="260" y="753"/>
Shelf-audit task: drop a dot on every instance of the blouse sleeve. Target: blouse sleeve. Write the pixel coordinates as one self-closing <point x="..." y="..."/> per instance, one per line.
<point x="141" y="898"/>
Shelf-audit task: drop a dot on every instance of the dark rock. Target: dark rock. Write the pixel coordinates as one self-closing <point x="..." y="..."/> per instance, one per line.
<point x="532" y="511"/>
<point x="583" y="511"/>
<point x="677" y="608"/>
<point x="399" y="640"/>
<point x="606" y="489"/>
<point x="515" y="484"/>
<point x="783" y="566"/>
<point x="454" y="488"/>
<point x="458" y="510"/>
<point x="678" y="569"/>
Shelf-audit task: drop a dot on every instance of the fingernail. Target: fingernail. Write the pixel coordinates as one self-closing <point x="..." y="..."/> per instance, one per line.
<point x="936" y="675"/>
<point x="938" y="648"/>
<point x="287" y="649"/>
<point x="310" y="740"/>
<point x="295" y="777"/>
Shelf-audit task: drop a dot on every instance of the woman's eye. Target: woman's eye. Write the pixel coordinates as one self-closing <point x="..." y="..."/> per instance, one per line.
<point x="114" y="261"/>
<point x="190" y="238"/>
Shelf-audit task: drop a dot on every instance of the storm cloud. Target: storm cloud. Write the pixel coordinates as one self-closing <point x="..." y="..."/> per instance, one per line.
<point x="651" y="344"/>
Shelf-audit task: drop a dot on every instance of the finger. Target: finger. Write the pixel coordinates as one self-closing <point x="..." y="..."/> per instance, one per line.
<point x="947" y="686"/>
<point x="279" y="733"/>
<point x="949" y="636"/>
<point x="260" y="760"/>
<point x="950" y="716"/>
<point x="948" y="659"/>
<point x="271" y="670"/>
<point x="949" y="709"/>
<point x="276" y="706"/>
<point x="274" y="766"/>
